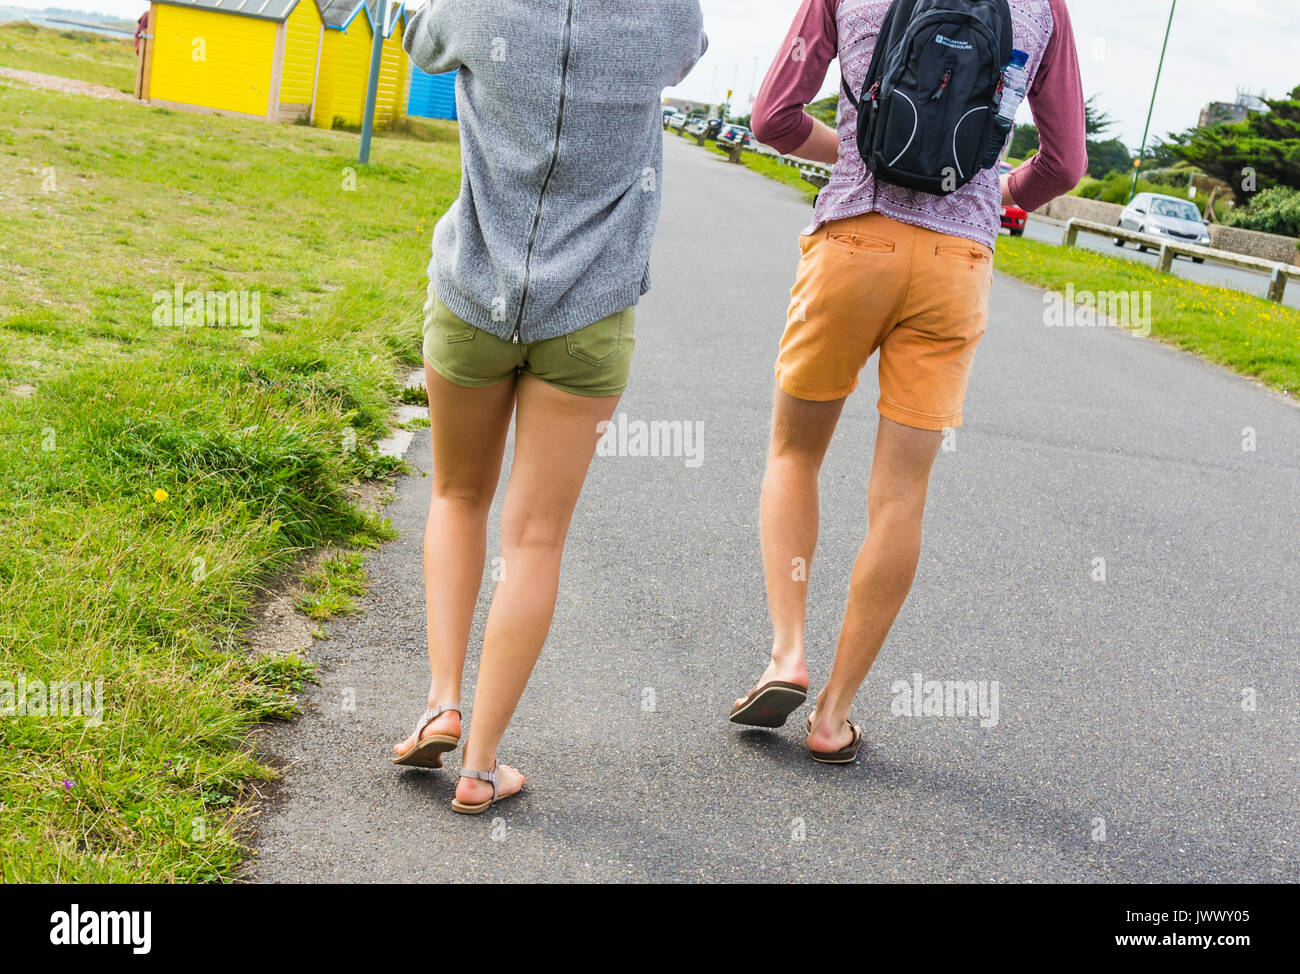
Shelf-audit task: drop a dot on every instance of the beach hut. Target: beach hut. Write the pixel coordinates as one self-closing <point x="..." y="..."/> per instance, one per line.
<point x="432" y="95"/>
<point x="248" y="58"/>
<point x="344" y="69"/>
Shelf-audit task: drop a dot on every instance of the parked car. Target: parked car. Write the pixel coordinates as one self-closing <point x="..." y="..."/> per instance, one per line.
<point x="697" y="126"/>
<point x="1014" y="218"/>
<point x="1165" y="216"/>
<point x="730" y="135"/>
<point x="677" y="120"/>
<point x="669" y="110"/>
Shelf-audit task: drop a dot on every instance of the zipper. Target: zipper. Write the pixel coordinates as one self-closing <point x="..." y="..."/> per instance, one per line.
<point x="947" y="77"/>
<point x="555" y="156"/>
<point x="914" y="30"/>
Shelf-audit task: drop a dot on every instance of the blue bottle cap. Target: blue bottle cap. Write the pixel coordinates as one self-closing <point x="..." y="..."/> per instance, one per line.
<point x="1019" y="57"/>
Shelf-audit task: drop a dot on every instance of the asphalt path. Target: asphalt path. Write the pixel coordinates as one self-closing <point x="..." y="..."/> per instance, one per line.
<point x="1148" y="726"/>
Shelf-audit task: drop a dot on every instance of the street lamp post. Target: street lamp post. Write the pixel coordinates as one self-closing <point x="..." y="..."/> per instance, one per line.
<point x="1137" y="168"/>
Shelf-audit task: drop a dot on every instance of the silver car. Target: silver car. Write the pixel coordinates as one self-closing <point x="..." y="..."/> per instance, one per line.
<point x="1165" y="216"/>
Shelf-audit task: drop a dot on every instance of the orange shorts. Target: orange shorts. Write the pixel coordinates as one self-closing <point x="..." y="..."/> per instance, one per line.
<point x="869" y="282"/>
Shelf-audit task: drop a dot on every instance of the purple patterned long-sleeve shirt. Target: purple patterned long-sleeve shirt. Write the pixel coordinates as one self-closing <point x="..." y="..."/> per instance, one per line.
<point x="848" y="29"/>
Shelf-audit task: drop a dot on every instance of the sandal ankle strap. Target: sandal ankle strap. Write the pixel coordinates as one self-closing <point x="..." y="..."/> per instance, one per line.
<point x="488" y="776"/>
<point x="432" y="714"/>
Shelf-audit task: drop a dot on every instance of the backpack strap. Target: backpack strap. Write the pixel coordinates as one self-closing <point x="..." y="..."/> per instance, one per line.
<point x="884" y="44"/>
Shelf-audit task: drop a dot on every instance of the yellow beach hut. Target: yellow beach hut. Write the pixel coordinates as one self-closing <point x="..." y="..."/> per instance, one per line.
<point x="248" y="58"/>
<point x="344" y="71"/>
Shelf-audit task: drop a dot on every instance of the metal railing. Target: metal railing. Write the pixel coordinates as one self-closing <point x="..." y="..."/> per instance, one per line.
<point x="1278" y="272"/>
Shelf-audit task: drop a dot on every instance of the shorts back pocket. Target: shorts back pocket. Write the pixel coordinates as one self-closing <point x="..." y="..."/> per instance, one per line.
<point x="598" y="343"/>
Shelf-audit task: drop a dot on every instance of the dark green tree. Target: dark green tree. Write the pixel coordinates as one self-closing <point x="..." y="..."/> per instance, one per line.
<point x="1107" y="157"/>
<point x="1104" y="155"/>
<point x="824" y="109"/>
<point x="1096" y="122"/>
<point x="1164" y="152"/>
<point x="1254" y="154"/>
<point x="1023" y="141"/>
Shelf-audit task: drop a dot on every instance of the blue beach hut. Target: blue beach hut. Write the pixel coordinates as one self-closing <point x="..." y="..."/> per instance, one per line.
<point x="431" y="95"/>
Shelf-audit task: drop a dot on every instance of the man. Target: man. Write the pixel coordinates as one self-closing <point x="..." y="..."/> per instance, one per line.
<point x="895" y="270"/>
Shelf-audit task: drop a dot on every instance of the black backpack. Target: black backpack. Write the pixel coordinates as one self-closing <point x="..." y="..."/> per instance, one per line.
<point x="927" y="116"/>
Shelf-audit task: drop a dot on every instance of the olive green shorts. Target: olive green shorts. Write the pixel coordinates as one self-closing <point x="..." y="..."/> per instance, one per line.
<point x="594" y="361"/>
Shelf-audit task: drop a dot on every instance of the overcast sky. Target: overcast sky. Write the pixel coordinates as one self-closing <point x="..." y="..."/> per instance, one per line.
<point x="1216" y="47"/>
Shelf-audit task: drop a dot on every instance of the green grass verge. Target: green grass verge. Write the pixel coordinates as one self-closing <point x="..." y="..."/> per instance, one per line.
<point x="153" y="478"/>
<point x="331" y="588"/>
<point x="1249" y="335"/>
<point x="75" y="54"/>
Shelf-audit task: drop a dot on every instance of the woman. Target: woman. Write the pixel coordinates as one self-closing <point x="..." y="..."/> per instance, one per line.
<point x="535" y="273"/>
<point x="894" y="270"/>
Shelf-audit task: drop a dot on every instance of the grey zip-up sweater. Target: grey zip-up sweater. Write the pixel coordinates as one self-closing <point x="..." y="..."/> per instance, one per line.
<point x="562" y="144"/>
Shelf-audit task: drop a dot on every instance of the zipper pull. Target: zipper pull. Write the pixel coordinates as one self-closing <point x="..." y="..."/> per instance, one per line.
<point x="943" y="85"/>
<point x="515" y="337"/>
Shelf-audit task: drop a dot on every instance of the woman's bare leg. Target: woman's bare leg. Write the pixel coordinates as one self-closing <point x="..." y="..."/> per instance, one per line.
<point x="469" y="427"/>
<point x="555" y="439"/>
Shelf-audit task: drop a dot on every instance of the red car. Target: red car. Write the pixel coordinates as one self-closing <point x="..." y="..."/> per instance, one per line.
<point x="1013" y="217"/>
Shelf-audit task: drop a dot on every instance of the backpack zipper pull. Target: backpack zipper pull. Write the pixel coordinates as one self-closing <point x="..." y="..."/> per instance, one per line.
<point x="943" y="85"/>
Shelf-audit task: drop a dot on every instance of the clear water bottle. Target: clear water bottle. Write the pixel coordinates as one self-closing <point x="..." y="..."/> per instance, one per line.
<point x="1015" y="82"/>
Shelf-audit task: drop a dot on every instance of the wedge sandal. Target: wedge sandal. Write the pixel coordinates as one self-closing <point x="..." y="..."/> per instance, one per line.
<point x="478" y="809"/>
<point x="769" y="705"/>
<point x="428" y="751"/>
<point x="845" y="755"/>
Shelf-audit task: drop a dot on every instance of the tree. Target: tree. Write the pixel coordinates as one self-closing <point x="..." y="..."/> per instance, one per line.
<point x="1024" y="141"/>
<point x="1254" y="154"/>
<point x="1110" y="155"/>
<point x="1095" y="121"/>
<point x="1164" y="153"/>
<point x="825" y="109"/>
<point x="1107" y="157"/>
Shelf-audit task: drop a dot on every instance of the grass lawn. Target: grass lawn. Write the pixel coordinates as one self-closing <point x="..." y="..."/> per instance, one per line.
<point x="152" y="477"/>
<point x="1249" y="335"/>
<point x="75" y="54"/>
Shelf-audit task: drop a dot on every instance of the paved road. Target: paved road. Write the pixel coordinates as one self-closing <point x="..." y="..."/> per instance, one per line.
<point x="1118" y="700"/>
<point x="1219" y="275"/>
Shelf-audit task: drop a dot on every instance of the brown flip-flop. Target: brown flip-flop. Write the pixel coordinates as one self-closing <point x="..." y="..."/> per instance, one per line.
<point x="769" y="705"/>
<point x="428" y="751"/>
<point x="845" y="755"/>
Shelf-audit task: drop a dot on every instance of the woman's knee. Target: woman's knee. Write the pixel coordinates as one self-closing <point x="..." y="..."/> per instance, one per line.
<point x="535" y="527"/>
<point x="475" y="497"/>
